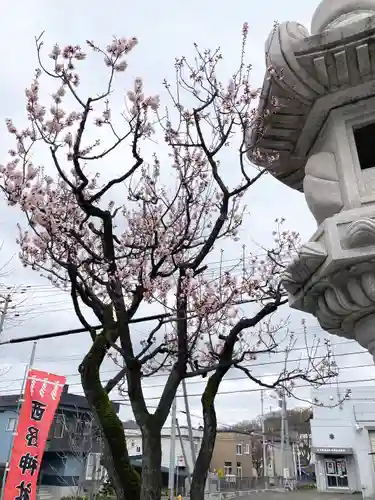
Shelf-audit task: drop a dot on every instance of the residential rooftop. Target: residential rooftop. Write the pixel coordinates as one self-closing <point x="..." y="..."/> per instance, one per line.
<point x="67" y="401"/>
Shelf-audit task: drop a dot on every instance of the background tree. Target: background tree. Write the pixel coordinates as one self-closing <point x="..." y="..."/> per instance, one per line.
<point x="141" y="233"/>
<point x="299" y="426"/>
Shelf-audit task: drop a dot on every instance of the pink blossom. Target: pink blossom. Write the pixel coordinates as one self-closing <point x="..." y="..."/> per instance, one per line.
<point x="121" y="66"/>
<point x="55" y="52"/>
<point x="158" y="230"/>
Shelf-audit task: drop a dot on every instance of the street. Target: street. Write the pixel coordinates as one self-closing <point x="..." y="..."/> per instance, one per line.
<point x="297" y="495"/>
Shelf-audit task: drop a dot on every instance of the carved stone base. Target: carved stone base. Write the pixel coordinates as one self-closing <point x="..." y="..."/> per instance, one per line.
<point x="333" y="276"/>
<point x="364" y="333"/>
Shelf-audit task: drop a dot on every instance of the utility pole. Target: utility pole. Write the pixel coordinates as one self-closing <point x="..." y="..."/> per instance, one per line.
<point x="172" y="457"/>
<point x="7" y="301"/>
<point x="287" y="440"/>
<point x="294" y="454"/>
<point x="299" y="461"/>
<point x="286" y="448"/>
<point x="282" y="437"/>
<point x="188" y="420"/>
<point x="289" y="453"/>
<point x="19" y="404"/>
<point x="264" y="446"/>
<point x="183" y="451"/>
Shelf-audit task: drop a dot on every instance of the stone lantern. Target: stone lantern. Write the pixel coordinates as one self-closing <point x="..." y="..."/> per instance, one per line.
<point x="318" y="123"/>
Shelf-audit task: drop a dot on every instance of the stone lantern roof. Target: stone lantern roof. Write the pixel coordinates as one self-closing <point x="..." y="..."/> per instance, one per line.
<point x="308" y="76"/>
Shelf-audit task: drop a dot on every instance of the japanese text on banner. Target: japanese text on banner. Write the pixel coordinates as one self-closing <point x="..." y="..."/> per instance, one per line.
<point x="42" y="395"/>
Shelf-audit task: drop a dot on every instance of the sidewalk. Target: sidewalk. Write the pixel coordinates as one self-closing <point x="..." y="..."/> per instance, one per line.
<point x="296" y="495"/>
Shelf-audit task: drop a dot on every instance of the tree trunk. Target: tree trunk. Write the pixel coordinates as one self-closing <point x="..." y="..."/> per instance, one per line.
<point x="151" y="461"/>
<point x="125" y="479"/>
<point x="202" y="465"/>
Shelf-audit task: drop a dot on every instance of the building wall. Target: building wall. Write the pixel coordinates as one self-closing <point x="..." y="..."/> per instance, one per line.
<point x="346" y="426"/>
<point x="225" y="450"/>
<point x="5" y="435"/>
<point x="134" y="443"/>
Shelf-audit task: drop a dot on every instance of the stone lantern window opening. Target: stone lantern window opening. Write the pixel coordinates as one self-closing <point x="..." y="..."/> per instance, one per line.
<point x="357" y="165"/>
<point x="349" y="134"/>
<point x="364" y="137"/>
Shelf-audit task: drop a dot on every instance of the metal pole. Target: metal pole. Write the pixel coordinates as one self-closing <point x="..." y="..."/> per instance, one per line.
<point x="183" y="451"/>
<point x="19" y="404"/>
<point x="264" y="446"/>
<point x="188" y="419"/>
<point x="172" y="457"/>
<point x="177" y="481"/>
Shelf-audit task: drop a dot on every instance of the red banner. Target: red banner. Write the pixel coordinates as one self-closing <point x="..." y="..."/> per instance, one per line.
<point x="42" y="395"/>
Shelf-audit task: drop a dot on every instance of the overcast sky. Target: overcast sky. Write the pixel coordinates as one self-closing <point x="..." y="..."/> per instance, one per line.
<point x="165" y="30"/>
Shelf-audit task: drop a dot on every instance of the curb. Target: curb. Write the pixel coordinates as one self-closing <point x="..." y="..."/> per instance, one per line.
<point x="237" y="494"/>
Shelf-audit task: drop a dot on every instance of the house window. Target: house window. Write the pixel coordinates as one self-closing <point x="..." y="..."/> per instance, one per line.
<point x="239" y="449"/>
<point x="227" y="468"/>
<point x="364" y="137"/>
<point x="11" y="424"/>
<point x="79" y="427"/>
<point x="239" y="470"/>
<point x="58" y="427"/>
<point x="93" y="466"/>
<point x="247" y="449"/>
<point x="87" y="427"/>
<point x="83" y="427"/>
<point x="138" y="449"/>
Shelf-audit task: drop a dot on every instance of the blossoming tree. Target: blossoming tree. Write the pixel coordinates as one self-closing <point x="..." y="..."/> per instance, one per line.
<point x="145" y="234"/>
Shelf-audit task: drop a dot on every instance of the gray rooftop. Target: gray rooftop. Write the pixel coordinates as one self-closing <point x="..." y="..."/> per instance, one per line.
<point x="67" y="401"/>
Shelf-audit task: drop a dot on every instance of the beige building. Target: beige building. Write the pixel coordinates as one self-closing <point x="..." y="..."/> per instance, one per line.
<point x="232" y="454"/>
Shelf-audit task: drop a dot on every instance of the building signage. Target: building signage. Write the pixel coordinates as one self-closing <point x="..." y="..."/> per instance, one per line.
<point x="332" y="451"/>
<point x="41" y="398"/>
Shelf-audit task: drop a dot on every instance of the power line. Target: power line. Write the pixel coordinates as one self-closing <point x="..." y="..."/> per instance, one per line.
<point x="221" y="265"/>
<point x="63" y="333"/>
<point x="153" y="386"/>
<point x="243" y="391"/>
<point x="75" y="331"/>
<point x="145" y="319"/>
<point x="217" y="263"/>
<point x="250" y="365"/>
<point x="226" y="393"/>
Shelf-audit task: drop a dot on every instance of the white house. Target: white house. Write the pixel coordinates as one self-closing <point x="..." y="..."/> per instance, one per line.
<point x="343" y="439"/>
<point x="134" y="444"/>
